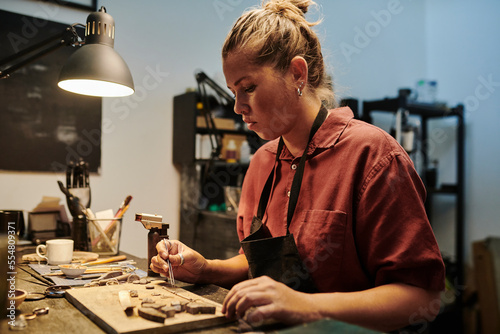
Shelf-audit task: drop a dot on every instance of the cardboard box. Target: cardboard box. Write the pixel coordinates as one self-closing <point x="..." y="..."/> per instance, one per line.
<point x="43" y="226"/>
<point x="220" y="123"/>
<point x="487" y="273"/>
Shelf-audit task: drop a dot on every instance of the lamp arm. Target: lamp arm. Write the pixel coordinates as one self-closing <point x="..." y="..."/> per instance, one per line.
<point x="215" y="137"/>
<point x="201" y="77"/>
<point x="68" y="36"/>
<point x="213" y="134"/>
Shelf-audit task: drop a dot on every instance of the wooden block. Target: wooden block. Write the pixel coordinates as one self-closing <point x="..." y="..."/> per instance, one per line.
<point x="484" y="267"/>
<point x="169" y="311"/>
<point x="152" y="314"/>
<point x="179" y="306"/>
<point x="148" y="300"/>
<point x="198" y="308"/>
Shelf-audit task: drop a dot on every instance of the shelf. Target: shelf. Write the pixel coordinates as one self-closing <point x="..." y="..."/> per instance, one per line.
<point x="433" y="110"/>
<point x="212" y="233"/>
<point x="221" y="163"/>
<point x="224" y="131"/>
<point x="426" y="113"/>
<point x="426" y="110"/>
<point x="444" y="189"/>
<point x="219" y="214"/>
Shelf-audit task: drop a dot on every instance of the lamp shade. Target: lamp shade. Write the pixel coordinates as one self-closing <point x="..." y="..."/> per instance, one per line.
<point x="96" y="69"/>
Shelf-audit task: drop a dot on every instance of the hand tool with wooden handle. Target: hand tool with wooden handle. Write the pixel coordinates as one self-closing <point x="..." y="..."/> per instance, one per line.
<point x="88" y="271"/>
<point x="107" y="260"/>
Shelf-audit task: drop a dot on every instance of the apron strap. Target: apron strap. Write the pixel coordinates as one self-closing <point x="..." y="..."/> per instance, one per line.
<point x="297" y="180"/>
<point x="266" y="192"/>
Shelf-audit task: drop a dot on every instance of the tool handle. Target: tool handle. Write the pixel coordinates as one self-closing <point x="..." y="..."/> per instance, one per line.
<point x="107" y="260"/>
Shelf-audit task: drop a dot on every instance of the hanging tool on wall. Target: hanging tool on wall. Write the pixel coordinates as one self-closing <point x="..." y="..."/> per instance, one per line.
<point x="77" y="193"/>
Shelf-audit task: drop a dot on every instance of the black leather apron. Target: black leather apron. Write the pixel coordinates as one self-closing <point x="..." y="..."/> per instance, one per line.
<point x="278" y="257"/>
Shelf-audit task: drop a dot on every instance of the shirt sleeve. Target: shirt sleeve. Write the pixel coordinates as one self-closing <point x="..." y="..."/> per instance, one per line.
<point x="393" y="234"/>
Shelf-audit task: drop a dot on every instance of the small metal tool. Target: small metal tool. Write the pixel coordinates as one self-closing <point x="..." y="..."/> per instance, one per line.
<point x="56" y="291"/>
<point x="170" y="271"/>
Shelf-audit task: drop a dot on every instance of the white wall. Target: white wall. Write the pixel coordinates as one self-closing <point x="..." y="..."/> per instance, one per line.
<point x="376" y="47"/>
<point x="175" y="38"/>
<point x="463" y="54"/>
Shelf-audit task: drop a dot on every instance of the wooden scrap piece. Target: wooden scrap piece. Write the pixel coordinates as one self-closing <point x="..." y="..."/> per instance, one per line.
<point x="125" y="302"/>
<point x="169" y="311"/>
<point x="179" y="306"/>
<point x="152" y="314"/>
<point x="198" y="308"/>
<point x="132" y="278"/>
<point x="148" y="300"/>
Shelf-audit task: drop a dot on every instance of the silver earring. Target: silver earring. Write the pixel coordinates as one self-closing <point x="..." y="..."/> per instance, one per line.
<point x="299" y="91"/>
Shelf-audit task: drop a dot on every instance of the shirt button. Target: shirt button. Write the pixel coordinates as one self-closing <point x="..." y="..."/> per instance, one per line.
<point x="294" y="166"/>
<point x="288" y="193"/>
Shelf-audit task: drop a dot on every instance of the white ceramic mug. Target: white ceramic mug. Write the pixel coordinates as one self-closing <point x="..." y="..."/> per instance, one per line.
<point x="56" y="251"/>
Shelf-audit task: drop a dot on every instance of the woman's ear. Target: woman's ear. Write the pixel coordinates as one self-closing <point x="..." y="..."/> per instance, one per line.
<point x="298" y="69"/>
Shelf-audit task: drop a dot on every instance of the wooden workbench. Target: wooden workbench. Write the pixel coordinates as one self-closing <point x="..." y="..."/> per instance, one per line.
<point x="63" y="317"/>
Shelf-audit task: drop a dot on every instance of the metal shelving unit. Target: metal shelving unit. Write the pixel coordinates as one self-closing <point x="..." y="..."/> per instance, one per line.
<point x="427" y="112"/>
<point x="203" y="180"/>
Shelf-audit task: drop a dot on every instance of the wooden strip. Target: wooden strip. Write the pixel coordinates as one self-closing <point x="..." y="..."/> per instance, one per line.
<point x="198" y="308"/>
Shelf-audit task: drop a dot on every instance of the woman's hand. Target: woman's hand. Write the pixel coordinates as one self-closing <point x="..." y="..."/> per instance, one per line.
<point x="263" y="298"/>
<point x="383" y="308"/>
<point x="187" y="264"/>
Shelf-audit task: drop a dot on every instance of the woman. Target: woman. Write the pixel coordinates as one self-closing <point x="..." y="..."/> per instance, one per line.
<point x="356" y="244"/>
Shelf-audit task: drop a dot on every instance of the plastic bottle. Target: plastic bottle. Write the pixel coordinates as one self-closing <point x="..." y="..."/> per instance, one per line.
<point x="231" y="151"/>
<point x="245" y="152"/>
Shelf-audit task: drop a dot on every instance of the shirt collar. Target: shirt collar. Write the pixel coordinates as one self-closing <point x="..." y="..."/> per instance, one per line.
<point x="326" y="136"/>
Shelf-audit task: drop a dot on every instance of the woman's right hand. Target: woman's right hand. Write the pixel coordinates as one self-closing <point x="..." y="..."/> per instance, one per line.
<point x="187" y="264"/>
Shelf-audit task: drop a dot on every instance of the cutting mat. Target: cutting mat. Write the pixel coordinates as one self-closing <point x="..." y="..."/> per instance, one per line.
<point x="102" y="306"/>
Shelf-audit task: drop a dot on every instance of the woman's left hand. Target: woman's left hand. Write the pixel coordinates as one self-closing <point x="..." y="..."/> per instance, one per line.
<point x="263" y="298"/>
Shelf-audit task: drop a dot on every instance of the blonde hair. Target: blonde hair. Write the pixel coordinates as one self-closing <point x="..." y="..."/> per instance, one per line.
<point x="277" y="32"/>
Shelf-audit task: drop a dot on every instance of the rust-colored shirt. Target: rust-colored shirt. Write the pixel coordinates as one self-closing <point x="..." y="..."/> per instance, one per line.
<point x="360" y="219"/>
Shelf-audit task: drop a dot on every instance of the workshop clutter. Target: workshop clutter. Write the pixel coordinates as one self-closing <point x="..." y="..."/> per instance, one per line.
<point x="99" y="232"/>
<point x="48" y="220"/>
<point x="104" y="235"/>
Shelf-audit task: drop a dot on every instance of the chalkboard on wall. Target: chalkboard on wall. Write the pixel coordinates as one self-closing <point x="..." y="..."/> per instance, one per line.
<point x="42" y="127"/>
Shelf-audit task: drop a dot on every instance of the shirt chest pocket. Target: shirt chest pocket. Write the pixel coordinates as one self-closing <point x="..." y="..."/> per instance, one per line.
<point x="320" y="240"/>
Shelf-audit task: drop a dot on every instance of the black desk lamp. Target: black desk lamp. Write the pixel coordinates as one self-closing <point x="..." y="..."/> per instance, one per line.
<point x="96" y="69"/>
<point x="215" y="137"/>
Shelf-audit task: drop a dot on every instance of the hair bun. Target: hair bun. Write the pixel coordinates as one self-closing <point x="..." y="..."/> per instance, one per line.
<point x="299" y="7"/>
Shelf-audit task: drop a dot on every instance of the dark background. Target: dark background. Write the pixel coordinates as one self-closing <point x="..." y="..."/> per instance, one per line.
<point x="43" y="127"/>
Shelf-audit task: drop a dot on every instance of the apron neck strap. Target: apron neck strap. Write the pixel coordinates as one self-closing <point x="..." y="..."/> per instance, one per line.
<point x="297" y="180"/>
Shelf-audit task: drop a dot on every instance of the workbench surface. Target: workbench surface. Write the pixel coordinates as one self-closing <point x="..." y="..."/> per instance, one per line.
<point x="63" y="317"/>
